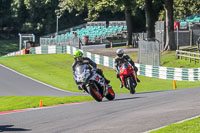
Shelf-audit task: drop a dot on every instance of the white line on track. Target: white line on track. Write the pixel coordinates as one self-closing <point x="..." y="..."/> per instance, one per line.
<point x="172" y="123"/>
<point x="39" y="81"/>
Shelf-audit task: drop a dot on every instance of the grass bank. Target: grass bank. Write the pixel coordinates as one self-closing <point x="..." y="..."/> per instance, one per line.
<point x="190" y="126"/>
<point x="22" y="102"/>
<point x="55" y="69"/>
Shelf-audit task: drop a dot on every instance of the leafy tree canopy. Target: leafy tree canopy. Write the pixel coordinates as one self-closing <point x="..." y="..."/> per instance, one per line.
<point x="94" y="7"/>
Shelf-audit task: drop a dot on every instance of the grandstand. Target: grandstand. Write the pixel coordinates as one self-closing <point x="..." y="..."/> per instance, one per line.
<point x="89" y="33"/>
<point x="185" y="22"/>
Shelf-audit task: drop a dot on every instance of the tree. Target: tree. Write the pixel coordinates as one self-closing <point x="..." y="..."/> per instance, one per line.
<point x="148" y="6"/>
<point x="185" y="8"/>
<point x="5" y="19"/>
<point x="4" y="13"/>
<point x="35" y="16"/>
<point x="150" y="21"/>
<point x="170" y="39"/>
<point x="129" y="8"/>
<point x="19" y="13"/>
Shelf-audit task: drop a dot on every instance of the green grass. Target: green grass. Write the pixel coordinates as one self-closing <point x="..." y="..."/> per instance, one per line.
<point x="134" y="56"/>
<point x="169" y="60"/>
<point x="22" y="102"/>
<point x="55" y="69"/>
<point x="190" y="126"/>
<point x="7" y="46"/>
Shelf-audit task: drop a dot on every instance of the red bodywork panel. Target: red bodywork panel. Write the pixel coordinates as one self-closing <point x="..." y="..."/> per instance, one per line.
<point x="125" y="71"/>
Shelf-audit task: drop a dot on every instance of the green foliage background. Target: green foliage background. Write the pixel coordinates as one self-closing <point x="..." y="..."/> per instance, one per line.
<point x="39" y="17"/>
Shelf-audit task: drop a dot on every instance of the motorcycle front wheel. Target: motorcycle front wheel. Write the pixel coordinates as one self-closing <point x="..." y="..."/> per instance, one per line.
<point x="95" y="93"/>
<point x="110" y="94"/>
<point x="130" y="85"/>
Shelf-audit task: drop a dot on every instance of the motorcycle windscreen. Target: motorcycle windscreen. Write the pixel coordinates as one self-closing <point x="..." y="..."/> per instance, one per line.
<point x="82" y="73"/>
<point x="124" y="65"/>
<point x="80" y="69"/>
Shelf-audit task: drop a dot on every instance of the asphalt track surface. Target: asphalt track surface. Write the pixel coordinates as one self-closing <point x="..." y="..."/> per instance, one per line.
<point x="126" y="114"/>
<point x="16" y="84"/>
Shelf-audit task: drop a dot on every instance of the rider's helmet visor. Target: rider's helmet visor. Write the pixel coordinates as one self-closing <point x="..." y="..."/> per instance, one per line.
<point x="80" y="58"/>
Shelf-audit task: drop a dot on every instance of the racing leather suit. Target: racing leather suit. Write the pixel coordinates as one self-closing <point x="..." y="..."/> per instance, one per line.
<point x="119" y="61"/>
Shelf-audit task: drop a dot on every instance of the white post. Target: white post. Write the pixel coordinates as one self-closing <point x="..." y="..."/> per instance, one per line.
<point x="20" y="43"/>
<point x="57" y="17"/>
<point x="33" y="37"/>
<point x="56" y="25"/>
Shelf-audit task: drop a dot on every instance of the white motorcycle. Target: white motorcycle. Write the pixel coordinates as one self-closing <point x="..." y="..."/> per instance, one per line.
<point x="93" y="83"/>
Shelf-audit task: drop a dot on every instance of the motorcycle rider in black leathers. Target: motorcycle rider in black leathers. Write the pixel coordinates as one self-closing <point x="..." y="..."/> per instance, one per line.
<point x="79" y="60"/>
<point x="119" y="60"/>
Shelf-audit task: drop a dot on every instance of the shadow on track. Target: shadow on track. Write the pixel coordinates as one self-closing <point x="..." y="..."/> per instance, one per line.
<point x="9" y="128"/>
<point x="152" y="92"/>
<point x="127" y="98"/>
<point x="121" y="99"/>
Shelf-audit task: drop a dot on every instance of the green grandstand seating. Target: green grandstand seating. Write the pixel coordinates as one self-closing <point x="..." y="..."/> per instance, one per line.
<point x="93" y="32"/>
<point x="190" y="19"/>
<point x="124" y="27"/>
<point x="183" y="24"/>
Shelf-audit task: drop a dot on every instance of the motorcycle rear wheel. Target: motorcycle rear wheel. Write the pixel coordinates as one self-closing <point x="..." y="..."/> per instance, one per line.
<point x="110" y="94"/>
<point x="95" y="93"/>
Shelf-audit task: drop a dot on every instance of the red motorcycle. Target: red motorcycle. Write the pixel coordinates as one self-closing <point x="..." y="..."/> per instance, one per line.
<point x="128" y="77"/>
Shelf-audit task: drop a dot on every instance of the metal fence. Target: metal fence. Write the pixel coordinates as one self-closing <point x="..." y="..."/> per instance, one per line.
<point x="149" y="53"/>
<point x="97" y="23"/>
<point x="117" y="23"/>
<point x="187" y="37"/>
<point x="191" y="56"/>
<point x="75" y="42"/>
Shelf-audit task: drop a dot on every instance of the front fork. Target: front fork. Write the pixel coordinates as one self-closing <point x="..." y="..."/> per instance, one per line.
<point x="106" y="86"/>
<point x="122" y="80"/>
<point x="95" y="85"/>
<point x="134" y="76"/>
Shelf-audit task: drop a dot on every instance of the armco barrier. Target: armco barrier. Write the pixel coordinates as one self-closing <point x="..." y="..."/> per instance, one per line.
<point x="181" y="74"/>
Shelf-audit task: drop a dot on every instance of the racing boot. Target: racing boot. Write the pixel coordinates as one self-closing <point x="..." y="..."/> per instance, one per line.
<point x="121" y="85"/>
<point x="138" y="80"/>
<point x="107" y="81"/>
<point x="80" y="88"/>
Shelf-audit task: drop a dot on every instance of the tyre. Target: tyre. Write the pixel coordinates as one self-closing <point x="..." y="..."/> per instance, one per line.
<point x="110" y="94"/>
<point x="95" y="93"/>
<point x="130" y="85"/>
